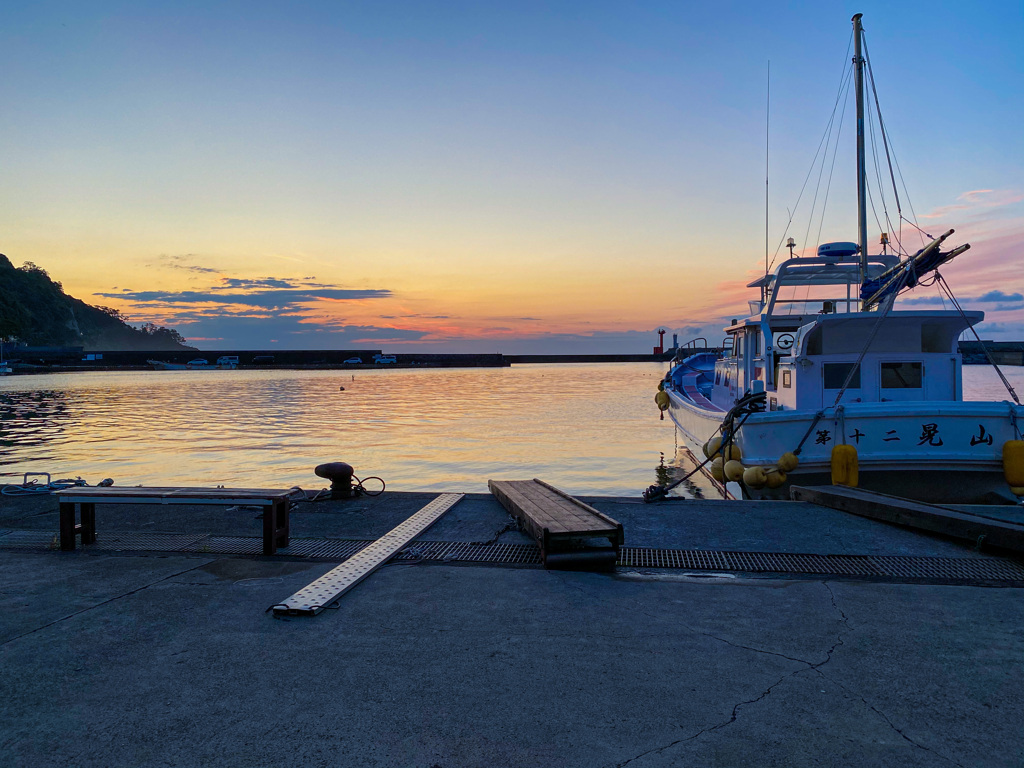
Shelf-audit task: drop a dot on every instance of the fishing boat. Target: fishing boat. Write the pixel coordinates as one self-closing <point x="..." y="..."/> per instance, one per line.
<point x="824" y="381"/>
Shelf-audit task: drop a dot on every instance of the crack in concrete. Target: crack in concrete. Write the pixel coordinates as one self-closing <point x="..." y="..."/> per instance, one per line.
<point x="104" y="602"/>
<point x="732" y="719"/>
<point x="888" y="722"/>
<point x="815" y="666"/>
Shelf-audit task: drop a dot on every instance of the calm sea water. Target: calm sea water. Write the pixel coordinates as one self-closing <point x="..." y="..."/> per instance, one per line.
<point x="588" y="429"/>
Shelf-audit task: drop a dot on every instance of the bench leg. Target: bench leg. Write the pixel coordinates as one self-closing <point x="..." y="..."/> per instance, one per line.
<point x="67" y="526"/>
<point x="88" y="524"/>
<point x="270" y="529"/>
<point x="283" y="525"/>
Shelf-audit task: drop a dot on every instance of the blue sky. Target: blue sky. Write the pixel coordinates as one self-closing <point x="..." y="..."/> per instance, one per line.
<point x="465" y="176"/>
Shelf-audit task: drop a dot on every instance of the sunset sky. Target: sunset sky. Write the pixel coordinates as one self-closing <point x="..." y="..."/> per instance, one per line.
<point x="496" y="177"/>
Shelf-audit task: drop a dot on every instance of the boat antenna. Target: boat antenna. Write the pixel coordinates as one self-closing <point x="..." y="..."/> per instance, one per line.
<point x="767" y="117"/>
<point x="862" y="213"/>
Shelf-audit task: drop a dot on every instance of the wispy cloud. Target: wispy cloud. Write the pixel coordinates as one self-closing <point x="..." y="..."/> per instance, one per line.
<point x="181" y="261"/>
<point x="992" y="297"/>
<point x="977" y="201"/>
<point x="267" y="293"/>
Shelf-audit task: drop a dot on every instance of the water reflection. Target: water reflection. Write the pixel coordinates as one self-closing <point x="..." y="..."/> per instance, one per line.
<point x="30" y="419"/>
<point x="589" y="429"/>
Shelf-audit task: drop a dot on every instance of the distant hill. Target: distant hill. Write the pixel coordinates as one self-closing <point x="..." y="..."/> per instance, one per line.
<point x="35" y="310"/>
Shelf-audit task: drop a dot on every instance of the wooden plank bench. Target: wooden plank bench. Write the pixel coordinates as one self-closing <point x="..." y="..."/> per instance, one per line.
<point x="564" y="527"/>
<point x="274" y="503"/>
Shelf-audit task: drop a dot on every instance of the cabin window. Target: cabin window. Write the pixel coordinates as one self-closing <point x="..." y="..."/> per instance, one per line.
<point x="718" y="376"/>
<point x="934" y="338"/>
<point x="901" y="375"/>
<point x="726" y="382"/>
<point x="787" y="379"/>
<point x="835" y="375"/>
<point x="814" y="342"/>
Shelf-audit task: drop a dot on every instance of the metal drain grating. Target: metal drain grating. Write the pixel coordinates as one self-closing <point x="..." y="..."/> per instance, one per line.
<point x="226" y="545"/>
<point x="325" y="549"/>
<point x="458" y="551"/>
<point x="157" y="542"/>
<point x="950" y="568"/>
<point x="942" y="569"/>
<point x="903" y="567"/>
<point x="29" y="540"/>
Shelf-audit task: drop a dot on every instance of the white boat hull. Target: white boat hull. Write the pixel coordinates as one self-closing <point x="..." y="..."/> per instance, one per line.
<point x="939" y="452"/>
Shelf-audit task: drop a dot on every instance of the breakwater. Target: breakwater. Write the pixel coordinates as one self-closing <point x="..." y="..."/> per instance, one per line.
<point x="66" y="359"/>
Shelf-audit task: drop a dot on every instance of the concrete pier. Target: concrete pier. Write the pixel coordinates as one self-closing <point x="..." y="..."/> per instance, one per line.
<point x="119" y="656"/>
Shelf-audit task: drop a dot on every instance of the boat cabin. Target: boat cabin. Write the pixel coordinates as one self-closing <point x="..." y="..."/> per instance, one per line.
<point x="805" y="336"/>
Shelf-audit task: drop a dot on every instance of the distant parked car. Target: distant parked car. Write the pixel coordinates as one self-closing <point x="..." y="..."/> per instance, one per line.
<point x="382" y="359"/>
<point x="198" y="361"/>
<point x="354" y="361"/>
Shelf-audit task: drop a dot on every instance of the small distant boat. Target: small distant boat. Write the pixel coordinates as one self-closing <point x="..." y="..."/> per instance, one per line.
<point x="224" y="362"/>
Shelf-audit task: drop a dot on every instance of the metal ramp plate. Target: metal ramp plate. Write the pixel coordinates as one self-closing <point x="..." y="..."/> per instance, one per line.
<point x="313" y="598"/>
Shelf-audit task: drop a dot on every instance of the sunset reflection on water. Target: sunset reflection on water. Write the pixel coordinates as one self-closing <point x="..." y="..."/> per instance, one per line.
<point x="591" y="429"/>
<point x="587" y="428"/>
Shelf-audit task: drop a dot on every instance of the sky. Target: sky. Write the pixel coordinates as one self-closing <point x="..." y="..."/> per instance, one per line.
<point x="491" y="177"/>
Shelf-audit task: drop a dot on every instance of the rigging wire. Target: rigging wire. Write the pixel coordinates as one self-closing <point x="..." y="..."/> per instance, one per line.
<point x="835" y="154"/>
<point x="767" y="124"/>
<point x="949" y="292"/>
<point x="828" y="129"/>
<point x="881" y="125"/>
<point x="844" y="92"/>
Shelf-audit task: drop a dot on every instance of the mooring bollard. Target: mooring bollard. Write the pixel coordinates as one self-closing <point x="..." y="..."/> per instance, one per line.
<point x="340" y="475"/>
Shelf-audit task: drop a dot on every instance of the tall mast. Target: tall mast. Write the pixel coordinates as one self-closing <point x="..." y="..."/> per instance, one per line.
<point x="862" y="210"/>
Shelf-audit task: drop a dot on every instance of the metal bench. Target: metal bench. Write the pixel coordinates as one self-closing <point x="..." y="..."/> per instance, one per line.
<point x="274" y="502"/>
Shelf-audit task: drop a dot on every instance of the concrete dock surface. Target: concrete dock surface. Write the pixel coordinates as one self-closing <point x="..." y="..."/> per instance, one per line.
<point x="153" y="658"/>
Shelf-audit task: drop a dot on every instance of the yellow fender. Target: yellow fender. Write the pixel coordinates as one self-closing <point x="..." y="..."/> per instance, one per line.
<point x="788" y="462"/>
<point x="733" y="470"/>
<point x="755" y="477"/>
<point x="662" y="399"/>
<point x="776" y="477"/>
<point x="716" y="469"/>
<point x="1013" y="465"/>
<point x="844" y="466"/>
<point x="732" y="453"/>
<point x="712" y="447"/>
